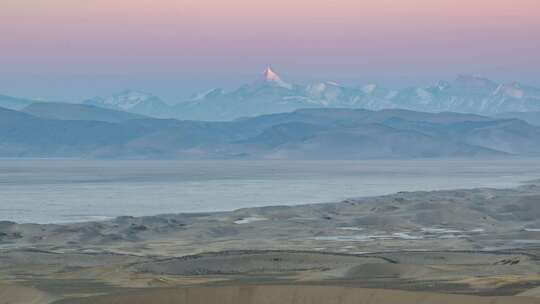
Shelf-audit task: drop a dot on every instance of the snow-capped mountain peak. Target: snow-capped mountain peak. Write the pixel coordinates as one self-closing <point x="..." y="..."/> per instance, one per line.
<point x="512" y="90"/>
<point x="369" y="88"/>
<point x="132" y="101"/>
<point x="442" y="85"/>
<point x="271" y="77"/>
<point x="270" y="94"/>
<point x="127" y="99"/>
<point x="316" y="88"/>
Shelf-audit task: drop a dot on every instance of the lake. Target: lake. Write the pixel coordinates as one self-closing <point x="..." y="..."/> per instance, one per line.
<point x="56" y="191"/>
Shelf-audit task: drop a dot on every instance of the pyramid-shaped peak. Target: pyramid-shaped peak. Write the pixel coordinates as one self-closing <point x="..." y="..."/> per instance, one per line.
<point x="270" y="75"/>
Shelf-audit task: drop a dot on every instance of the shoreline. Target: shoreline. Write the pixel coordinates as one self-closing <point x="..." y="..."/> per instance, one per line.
<point x="298" y="199"/>
<point x="111" y="218"/>
<point x="482" y="241"/>
<point x="535" y="182"/>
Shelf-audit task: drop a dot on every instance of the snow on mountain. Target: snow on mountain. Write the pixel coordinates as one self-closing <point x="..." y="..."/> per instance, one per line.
<point x="467" y="94"/>
<point x="125" y="100"/>
<point x="271" y="77"/>
<point x="271" y="94"/>
<point x="213" y="93"/>
<point x="512" y="90"/>
<point x="370" y="88"/>
<point x="132" y="101"/>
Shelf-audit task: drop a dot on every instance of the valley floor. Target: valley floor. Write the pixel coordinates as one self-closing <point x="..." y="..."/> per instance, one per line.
<point x="452" y="246"/>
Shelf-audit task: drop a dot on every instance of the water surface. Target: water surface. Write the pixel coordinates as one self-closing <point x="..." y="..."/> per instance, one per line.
<point x="46" y="191"/>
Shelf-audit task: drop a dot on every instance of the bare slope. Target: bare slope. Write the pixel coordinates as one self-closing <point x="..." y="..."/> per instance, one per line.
<point x="292" y="295"/>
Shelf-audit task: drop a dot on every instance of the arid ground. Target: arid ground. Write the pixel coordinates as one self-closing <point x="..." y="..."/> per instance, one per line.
<point x="457" y="246"/>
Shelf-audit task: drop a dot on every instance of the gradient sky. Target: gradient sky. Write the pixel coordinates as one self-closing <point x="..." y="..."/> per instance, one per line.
<point x="73" y="49"/>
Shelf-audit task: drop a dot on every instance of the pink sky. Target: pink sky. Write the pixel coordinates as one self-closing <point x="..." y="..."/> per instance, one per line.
<point x="415" y="39"/>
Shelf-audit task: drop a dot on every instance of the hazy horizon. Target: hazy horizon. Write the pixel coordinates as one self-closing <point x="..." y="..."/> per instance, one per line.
<point x="168" y="92"/>
<point x="64" y="50"/>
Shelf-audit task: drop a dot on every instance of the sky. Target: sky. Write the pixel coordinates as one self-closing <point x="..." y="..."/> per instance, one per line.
<point x="75" y="49"/>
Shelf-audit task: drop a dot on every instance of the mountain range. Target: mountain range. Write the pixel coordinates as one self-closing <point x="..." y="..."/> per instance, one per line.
<point x="271" y="94"/>
<point x="134" y="102"/>
<point x="327" y="133"/>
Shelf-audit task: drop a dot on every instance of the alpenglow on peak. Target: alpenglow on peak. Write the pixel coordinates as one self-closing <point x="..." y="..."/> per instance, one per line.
<point x="271" y="76"/>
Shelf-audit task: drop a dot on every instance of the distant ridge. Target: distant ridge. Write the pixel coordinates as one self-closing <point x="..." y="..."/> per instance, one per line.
<point x="302" y="134"/>
<point x="531" y="117"/>
<point x="66" y="111"/>
<point x="14" y="103"/>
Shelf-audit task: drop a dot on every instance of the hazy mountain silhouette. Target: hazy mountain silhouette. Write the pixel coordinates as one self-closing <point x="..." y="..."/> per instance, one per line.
<point x="14" y="103"/>
<point x="67" y="111"/>
<point x="302" y="134"/>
